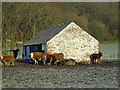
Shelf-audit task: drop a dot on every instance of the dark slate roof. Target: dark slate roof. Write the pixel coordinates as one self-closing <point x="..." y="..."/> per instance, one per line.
<point x="46" y="35"/>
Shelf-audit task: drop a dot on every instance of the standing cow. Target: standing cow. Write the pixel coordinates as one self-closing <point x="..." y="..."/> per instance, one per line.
<point x="57" y="57"/>
<point x="94" y="57"/>
<point x="15" y="52"/>
<point x="39" y="56"/>
<point x="9" y="59"/>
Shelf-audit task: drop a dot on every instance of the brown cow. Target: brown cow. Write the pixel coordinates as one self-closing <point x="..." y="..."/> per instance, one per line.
<point x="9" y="59"/>
<point x="95" y="57"/>
<point x="39" y="56"/>
<point x="49" y="56"/>
<point x="57" y="57"/>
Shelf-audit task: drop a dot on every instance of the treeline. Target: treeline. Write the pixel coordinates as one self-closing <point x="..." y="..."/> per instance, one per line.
<point x="22" y="21"/>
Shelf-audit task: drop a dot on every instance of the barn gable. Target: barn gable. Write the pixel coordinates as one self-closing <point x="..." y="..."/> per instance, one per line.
<point x="74" y="42"/>
<point x="46" y="35"/>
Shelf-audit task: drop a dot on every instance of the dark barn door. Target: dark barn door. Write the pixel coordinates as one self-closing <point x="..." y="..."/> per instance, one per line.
<point x="36" y="48"/>
<point x="26" y="52"/>
<point x="33" y="48"/>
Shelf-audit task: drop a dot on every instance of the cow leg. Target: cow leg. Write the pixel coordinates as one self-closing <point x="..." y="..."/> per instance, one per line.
<point x="9" y="63"/>
<point x="95" y="61"/>
<point x="3" y="63"/>
<point x="99" y="61"/>
<point x="62" y="62"/>
<point x="36" y="62"/>
<point x="92" y="61"/>
<point x="92" y="58"/>
<point x="40" y="60"/>
<point x="57" y="62"/>
<point x="44" y="61"/>
<point x="12" y="63"/>
<point x="51" y="60"/>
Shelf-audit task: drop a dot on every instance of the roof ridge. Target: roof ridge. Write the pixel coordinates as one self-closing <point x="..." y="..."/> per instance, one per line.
<point x="47" y="34"/>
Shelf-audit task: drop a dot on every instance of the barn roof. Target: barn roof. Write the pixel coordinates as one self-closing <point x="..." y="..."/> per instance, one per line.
<point x="46" y="35"/>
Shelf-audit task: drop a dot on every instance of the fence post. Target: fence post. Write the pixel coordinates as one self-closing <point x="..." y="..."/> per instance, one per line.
<point x="108" y="55"/>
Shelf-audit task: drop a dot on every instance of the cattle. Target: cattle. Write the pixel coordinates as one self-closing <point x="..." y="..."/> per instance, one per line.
<point x="15" y="52"/>
<point x="49" y="57"/>
<point x="57" y="57"/>
<point x="9" y="59"/>
<point x="38" y="57"/>
<point x="95" y="57"/>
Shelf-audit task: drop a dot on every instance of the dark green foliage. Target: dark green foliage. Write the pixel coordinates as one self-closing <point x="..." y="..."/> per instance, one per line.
<point x="22" y="21"/>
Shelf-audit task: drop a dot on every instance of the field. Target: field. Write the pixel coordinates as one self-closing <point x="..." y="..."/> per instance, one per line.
<point x="28" y="75"/>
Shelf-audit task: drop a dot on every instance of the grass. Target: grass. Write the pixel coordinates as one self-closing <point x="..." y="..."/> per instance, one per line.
<point x="107" y="42"/>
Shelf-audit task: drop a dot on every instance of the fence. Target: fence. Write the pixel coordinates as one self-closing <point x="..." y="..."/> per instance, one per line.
<point x="108" y="55"/>
<point x="111" y="55"/>
<point x="11" y="53"/>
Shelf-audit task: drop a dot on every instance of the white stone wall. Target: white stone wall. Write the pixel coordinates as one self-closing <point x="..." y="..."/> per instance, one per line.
<point x="74" y="43"/>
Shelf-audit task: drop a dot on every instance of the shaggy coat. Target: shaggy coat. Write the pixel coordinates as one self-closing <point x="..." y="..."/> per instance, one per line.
<point x="9" y="59"/>
<point x="57" y="57"/>
<point x="15" y="52"/>
<point x="95" y="57"/>
<point x="39" y="56"/>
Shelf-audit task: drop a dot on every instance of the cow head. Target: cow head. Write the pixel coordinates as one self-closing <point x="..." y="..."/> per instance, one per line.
<point x="18" y="50"/>
<point x="1" y="57"/>
<point x="31" y="54"/>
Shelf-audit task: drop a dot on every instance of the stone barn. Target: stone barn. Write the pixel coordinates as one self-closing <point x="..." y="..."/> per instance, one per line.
<point x="69" y="39"/>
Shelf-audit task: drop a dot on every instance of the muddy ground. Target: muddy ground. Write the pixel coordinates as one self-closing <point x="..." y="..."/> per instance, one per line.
<point x="29" y="75"/>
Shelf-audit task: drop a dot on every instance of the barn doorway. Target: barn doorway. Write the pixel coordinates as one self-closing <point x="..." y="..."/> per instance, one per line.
<point x="33" y="48"/>
<point x="36" y="48"/>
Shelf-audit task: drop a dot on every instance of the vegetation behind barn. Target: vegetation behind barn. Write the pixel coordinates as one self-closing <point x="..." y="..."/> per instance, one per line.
<point x="22" y="21"/>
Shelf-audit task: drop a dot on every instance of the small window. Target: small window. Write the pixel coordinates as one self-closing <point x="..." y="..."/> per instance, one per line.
<point x="35" y="48"/>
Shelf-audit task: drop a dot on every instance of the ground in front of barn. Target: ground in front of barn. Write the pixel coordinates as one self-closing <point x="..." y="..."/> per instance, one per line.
<point x="29" y="75"/>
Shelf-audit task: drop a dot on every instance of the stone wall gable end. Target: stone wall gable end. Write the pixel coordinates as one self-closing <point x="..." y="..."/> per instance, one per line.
<point x="74" y="43"/>
<point x="60" y="33"/>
